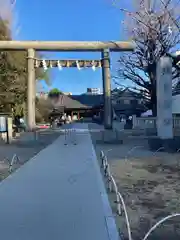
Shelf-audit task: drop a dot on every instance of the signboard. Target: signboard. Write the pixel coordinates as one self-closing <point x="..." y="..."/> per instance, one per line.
<point x="164" y="98"/>
<point x="3" y="125"/>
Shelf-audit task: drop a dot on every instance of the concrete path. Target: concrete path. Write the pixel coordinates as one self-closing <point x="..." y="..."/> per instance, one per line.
<point x="57" y="195"/>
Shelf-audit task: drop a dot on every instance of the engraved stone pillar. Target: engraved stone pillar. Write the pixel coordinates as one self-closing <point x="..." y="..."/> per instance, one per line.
<point x="164" y="98"/>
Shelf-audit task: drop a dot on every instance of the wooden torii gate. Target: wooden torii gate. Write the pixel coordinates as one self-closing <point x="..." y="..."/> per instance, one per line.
<point x="96" y="46"/>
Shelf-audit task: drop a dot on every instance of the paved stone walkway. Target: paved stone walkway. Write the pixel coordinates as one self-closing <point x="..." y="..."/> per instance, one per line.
<point x="57" y="195"/>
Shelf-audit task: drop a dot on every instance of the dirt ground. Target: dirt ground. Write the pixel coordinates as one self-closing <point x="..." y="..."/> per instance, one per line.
<point x="24" y="150"/>
<point x="150" y="185"/>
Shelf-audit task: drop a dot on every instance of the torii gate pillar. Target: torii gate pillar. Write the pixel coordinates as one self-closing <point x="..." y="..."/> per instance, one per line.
<point x="31" y="93"/>
<point x="106" y="76"/>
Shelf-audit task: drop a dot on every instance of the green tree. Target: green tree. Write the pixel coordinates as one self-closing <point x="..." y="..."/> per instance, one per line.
<point x="43" y="109"/>
<point x="55" y="92"/>
<point x="13" y="76"/>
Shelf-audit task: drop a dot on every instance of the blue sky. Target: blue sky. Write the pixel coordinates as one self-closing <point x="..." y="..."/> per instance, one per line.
<point x="73" y="20"/>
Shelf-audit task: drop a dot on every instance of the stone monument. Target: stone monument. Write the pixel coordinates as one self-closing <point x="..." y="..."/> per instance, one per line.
<point x="164" y="98"/>
<point x="164" y="121"/>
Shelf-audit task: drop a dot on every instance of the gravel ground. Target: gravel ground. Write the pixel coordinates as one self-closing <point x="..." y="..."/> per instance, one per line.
<point x="25" y="150"/>
<point x="149" y="183"/>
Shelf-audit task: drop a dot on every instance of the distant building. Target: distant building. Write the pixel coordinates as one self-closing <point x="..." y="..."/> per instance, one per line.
<point x="93" y="91"/>
<point x="176" y="100"/>
<point x="67" y="93"/>
<point x="127" y="103"/>
<point x="79" y="105"/>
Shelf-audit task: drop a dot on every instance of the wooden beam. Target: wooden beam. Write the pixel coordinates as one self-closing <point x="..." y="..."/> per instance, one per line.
<point x="115" y="46"/>
<point x="68" y="63"/>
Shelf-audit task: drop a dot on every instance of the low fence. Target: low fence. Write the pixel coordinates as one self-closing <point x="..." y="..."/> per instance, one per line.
<point x="150" y="122"/>
<point x="120" y="203"/>
<point x="112" y="186"/>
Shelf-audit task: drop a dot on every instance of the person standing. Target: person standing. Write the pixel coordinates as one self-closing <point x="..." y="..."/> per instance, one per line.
<point x="22" y="124"/>
<point x="69" y="119"/>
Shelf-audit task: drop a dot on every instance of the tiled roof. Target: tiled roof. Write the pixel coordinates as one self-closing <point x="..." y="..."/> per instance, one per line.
<point x="78" y="101"/>
<point x="89" y="100"/>
<point x="67" y="102"/>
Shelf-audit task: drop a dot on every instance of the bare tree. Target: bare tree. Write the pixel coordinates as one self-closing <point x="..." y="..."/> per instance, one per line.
<point x="154" y="26"/>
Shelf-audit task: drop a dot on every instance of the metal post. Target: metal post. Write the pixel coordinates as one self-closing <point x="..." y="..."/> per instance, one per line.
<point x="107" y="89"/>
<point x="31" y="91"/>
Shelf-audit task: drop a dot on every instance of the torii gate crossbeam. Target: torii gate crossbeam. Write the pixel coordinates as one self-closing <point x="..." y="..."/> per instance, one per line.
<point x="83" y="46"/>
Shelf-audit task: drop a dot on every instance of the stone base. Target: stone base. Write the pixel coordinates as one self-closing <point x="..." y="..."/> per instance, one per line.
<point x="154" y="143"/>
<point x="172" y="145"/>
<point x="112" y="137"/>
<point x="128" y="125"/>
<point x="151" y="132"/>
<point x="167" y="145"/>
<point x="29" y="136"/>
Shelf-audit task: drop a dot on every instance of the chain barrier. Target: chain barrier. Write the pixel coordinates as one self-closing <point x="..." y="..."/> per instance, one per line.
<point x="131" y="150"/>
<point x="159" y="149"/>
<point x="112" y="187"/>
<point x="70" y="136"/>
<point x="111" y="184"/>
<point x="120" y="203"/>
<point x="178" y="150"/>
<point x="15" y="159"/>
